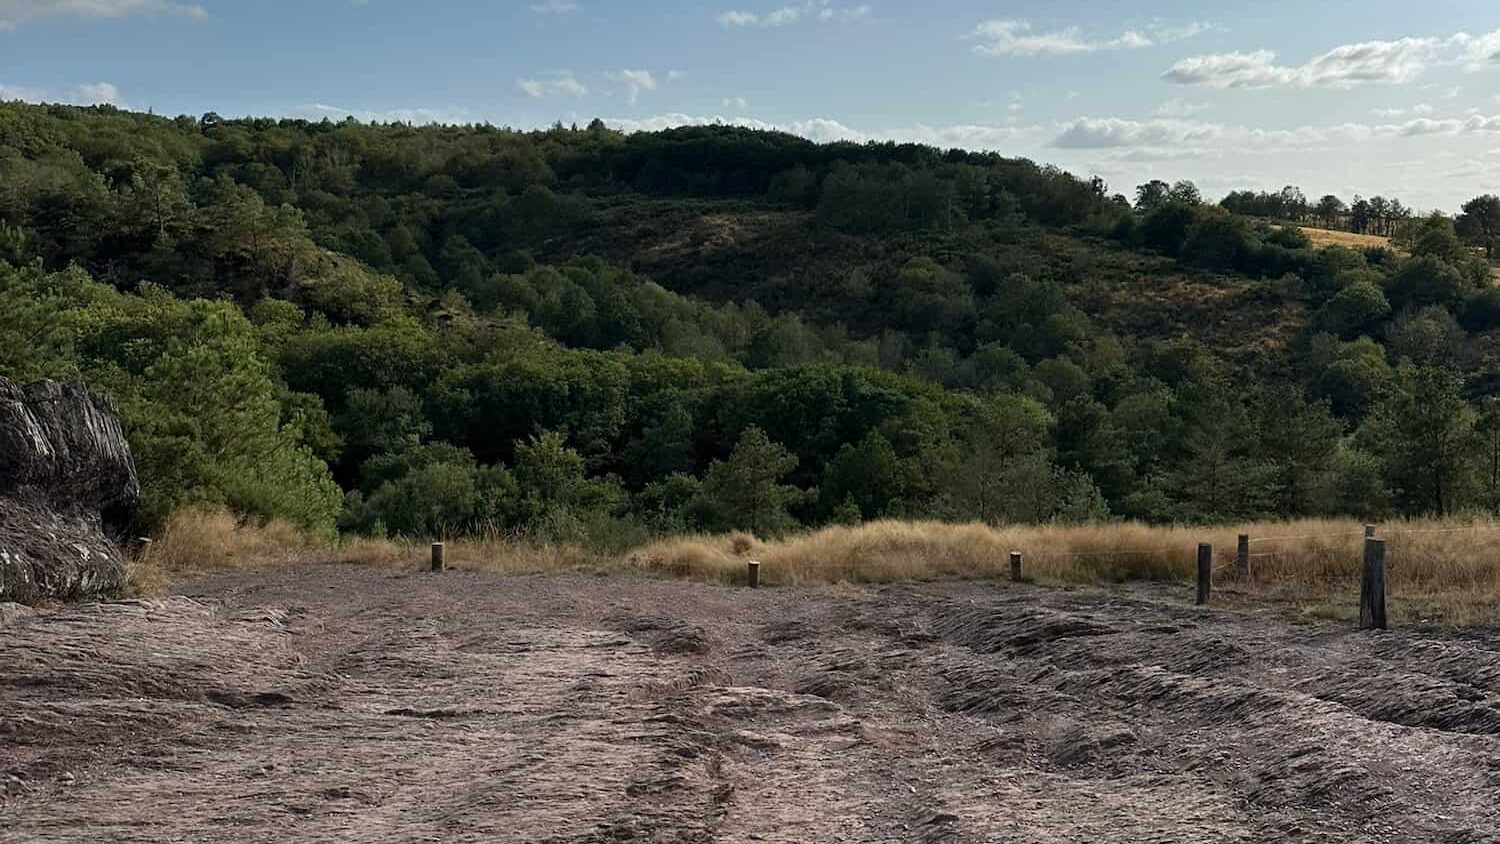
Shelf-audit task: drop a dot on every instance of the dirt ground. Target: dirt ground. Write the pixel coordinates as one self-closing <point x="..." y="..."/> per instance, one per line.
<point x="345" y="704"/>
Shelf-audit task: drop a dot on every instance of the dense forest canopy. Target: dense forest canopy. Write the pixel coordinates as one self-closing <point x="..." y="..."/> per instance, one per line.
<point x="585" y="335"/>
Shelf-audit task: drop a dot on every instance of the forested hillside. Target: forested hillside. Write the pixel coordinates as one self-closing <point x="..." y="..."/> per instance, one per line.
<point x="576" y="334"/>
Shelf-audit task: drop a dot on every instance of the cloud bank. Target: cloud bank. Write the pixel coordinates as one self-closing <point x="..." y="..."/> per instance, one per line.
<point x="14" y="13"/>
<point x="1018" y="38"/>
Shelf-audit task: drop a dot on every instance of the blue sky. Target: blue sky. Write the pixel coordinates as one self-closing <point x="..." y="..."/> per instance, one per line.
<point x="1375" y="96"/>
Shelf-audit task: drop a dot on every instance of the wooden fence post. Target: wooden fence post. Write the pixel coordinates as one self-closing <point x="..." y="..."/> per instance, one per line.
<point x="1372" y="587"/>
<point x="1205" y="572"/>
<point x="1015" y="565"/>
<point x="437" y="556"/>
<point x="1242" y="556"/>
<point x="753" y="573"/>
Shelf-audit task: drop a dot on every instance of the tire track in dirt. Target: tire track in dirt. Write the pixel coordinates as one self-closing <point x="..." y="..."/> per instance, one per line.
<point x="344" y="705"/>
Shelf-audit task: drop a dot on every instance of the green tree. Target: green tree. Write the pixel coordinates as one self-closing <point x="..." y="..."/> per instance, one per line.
<point x="1423" y="431"/>
<point x="375" y="421"/>
<point x="868" y="474"/>
<point x="558" y="500"/>
<point x="1480" y="223"/>
<point x="1354" y="310"/>
<point x="1299" y="441"/>
<point x="1331" y="211"/>
<point x="1186" y="192"/>
<point x="1152" y="195"/>
<point x="745" y="492"/>
<point x="1487" y="431"/>
<point x="1350" y="375"/>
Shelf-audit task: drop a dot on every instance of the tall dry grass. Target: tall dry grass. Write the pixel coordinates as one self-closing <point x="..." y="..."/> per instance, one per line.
<point x="202" y="540"/>
<point x="1443" y="571"/>
<point x="1437" y="571"/>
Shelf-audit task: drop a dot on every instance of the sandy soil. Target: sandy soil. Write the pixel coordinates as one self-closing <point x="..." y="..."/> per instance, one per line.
<point x="342" y="704"/>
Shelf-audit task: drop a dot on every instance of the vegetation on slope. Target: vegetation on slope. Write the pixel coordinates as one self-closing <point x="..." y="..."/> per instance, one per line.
<point x="578" y="335"/>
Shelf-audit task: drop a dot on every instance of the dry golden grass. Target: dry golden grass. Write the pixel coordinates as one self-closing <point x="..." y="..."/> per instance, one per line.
<point x="202" y="540"/>
<point x="1440" y="571"/>
<point x="1437" y="571"/>
<point x="1331" y="237"/>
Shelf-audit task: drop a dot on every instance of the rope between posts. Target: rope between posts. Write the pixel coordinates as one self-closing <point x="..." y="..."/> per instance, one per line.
<point x="1303" y="536"/>
<point x="1062" y="555"/>
<point x="1442" y="530"/>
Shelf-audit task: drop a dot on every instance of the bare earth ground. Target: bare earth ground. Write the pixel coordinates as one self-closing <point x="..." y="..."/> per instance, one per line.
<point x="345" y="704"/>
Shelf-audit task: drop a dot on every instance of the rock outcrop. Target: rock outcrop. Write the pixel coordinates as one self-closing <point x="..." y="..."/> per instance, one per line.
<point x="65" y="471"/>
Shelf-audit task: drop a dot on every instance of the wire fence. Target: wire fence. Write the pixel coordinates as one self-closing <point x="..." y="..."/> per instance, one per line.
<point x="1259" y="539"/>
<point x="1223" y="561"/>
<point x="1212" y="561"/>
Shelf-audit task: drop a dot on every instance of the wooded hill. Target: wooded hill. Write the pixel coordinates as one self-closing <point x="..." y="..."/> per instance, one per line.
<point x="575" y="334"/>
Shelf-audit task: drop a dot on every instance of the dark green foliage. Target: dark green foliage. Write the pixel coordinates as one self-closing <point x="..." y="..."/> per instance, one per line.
<point x="745" y="491"/>
<point x="1424" y="433"/>
<point x="1354" y="310"/>
<point x="574" y="334"/>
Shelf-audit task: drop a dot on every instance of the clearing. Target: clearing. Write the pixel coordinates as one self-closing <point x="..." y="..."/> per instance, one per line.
<point x="348" y="704"/>
<point x="1353" y="240"/>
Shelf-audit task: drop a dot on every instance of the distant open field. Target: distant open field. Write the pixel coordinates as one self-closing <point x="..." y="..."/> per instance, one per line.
<point x="1329" y="237"/>
<point x="351" y="704"/>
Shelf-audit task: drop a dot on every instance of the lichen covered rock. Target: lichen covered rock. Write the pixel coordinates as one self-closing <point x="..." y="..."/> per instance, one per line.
<point x="65" y="469"/>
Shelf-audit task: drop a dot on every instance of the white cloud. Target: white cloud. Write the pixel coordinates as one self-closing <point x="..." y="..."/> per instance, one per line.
<point x="554" y="7"/>
<point x="417" y="116"/>
<point x="89" y="93"/>
<point x="739" y="103"/>
<point x="1473" y="124"/>
<point x="562" y="84"/>
<point x="1416" y="111"/>
<point x="635" y="81"/>
<point x="1344" y="66"/>
<point x="9" y="93"/>
<point x="820" y="10"/>
<point x="1017" y="38"/>
<point x="1205" y="138"/>
<point x="1178" y="108"/>
<point x="98" y="92"/>
<point x="822" y="130"/>
<point x="1183" y="136"/>
<point x="14" y="13"/>
<point x="1479" y="51"/>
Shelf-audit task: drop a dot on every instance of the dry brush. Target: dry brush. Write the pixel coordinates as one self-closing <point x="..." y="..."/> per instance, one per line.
<point x="1440" y="571"/>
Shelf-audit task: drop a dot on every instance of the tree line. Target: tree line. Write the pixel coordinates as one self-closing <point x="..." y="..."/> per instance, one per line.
<point x="391" y="329"/>
<point x="1477" y="223"/>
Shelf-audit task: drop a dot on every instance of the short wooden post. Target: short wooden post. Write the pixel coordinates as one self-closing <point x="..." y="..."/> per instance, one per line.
<point x="1372" y="587"/>
<point x="753" y="570"/>
<point x="437" y="556"/>
<point x="1205" y="572"/>
<point x="1015" y="565"/>
<point x="1369" y="531"/>
<point x="1242" y="556"/>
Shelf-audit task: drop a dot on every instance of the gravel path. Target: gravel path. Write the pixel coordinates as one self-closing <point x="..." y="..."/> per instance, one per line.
<point x="344" y="704"/>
